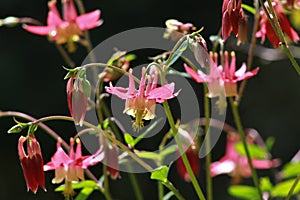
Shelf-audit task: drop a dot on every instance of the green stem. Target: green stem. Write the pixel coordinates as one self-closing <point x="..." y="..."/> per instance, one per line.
<point x="209" y="188"/>
<point x="276" y="27"/>
<point x="293" y="187"/>
<point x="106" y="184"/>
<point x="182" y="153"/>
<point x="177" y="45"/>
<point x="136" y="187"/>
<point x="65" y="55"/>
<point x="251" y="49"/>
<point x="171" y="187"/>
<point x="160" y="190"/>
<point x="241" y="132"/>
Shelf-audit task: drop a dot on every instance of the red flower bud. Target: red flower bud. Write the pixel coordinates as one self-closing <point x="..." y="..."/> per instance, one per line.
<point x="77" y="100"/>
<point x="32" y="163"/>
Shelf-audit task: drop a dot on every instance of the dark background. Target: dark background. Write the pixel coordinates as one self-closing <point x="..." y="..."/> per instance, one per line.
<point x="32" y="82"/>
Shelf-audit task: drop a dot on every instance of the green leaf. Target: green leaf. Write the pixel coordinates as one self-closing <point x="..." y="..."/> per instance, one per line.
<point x="82" y="184"/>
<point x="129" y="140"/>
<point x="16" y="128"/>
<point x="71" y="72"/>
<point x="84" y="194"/>
<point x="249" y="9"/>
<point x="178" y="52"/>
<point x="282" y="189"/>
<point x="243" y="192"/>
<point x="168" y="195"/>
<point x="160" y="174"/>
<point x="265" y="184"/>
<point x="148" y="155"/>
<point x="269" y="143"/>
<point x="130" y="57"/>
<point x="174" y="72"/>
<point x="255" y="151"/>
<point x="86" y="86"/>
<point x="291" y="170"/>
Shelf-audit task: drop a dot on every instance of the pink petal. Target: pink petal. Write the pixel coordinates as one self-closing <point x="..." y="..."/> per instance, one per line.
<point x="89" y="20"/>
<point x="53" y="18"/>
<point x="118" y="91"/>
<point x="131" y="88"/>
<point x="248" y="75"/>
<point x="221" y="167"/>
<point x="241" y="71"/>
<point x="60" y="157"/>
<point x="69" y="11"/>
<point x="92" y="160"/>
<point x="195" y="75"/>
<point x="39" y="30"/>
<point x="162" y="93"/>
<point x="265" y="164"/>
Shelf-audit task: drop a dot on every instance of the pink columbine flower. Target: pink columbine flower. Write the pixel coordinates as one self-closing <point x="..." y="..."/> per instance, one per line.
<point x="267" y="30"/>
<point x="71" y="167"/>
<point x="141" y="104"/>
<point x="70" y="27"/>
<point x="237" y="165"/>
<point x="233" y="19"/>
<point x="32" y="163"/>
<point x="220" y="76"/>
<point x="230" y="76"/>
<point x="77" y="100"/>
<point x="111" y="153"/>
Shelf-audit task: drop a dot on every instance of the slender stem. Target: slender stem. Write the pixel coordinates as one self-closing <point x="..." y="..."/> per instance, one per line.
<point x="177" y="45"/>
<point x="251" y="49"/>
<point x="241" y="132"/>
<point x="293" y="187"/>
<point x="106" y="184"/>
<point x="169" y="185"/>
<point x="182" y="153"/>
<point x="276" y="27"/>
<point x="160" y="190"/>
<point x="209" y="188"/>
<point x="65" y="55"/>
<point x="136" y="187"/>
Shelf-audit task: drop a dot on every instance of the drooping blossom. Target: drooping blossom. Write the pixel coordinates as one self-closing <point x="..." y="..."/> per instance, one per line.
<point x="176" y="29"/>
<point x="237" y="165"/>
<point x="234" y="19"/>
<point x="222" y="76"/>
<point x="77" y="99"/>
<point x="71" y="167"/>
<point x="266" y="27"/>
<point x="141" y="104"/>
<point x="111" y="153"/>
<point x="191" y="146"/>
<point x="32" y="163"/>
<point x="68" y="29"/>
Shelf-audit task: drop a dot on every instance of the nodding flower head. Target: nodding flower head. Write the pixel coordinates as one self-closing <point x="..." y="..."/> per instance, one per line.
<point x="141" y="104"/>
<point x="32" y="163"/>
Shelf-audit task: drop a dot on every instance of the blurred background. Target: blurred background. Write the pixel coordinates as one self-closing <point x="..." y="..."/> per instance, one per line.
<point x="32" y="82"/>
